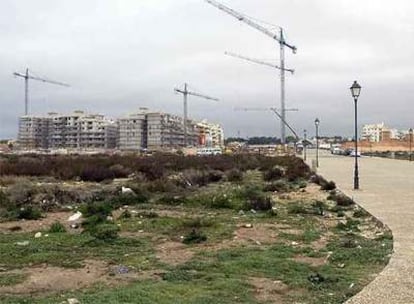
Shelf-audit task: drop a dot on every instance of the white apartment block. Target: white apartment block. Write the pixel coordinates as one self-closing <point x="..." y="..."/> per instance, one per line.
<point x="373" y="132"/>
<point x="210" y="135"/>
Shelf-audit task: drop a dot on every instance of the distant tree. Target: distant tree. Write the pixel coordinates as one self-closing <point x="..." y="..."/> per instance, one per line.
<point x="234" y="139"/>
<point x="263" y="140"/>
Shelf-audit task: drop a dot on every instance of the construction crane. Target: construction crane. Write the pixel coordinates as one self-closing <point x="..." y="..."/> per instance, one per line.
<point x="280" y="38"/>
<point x="26" y="77"/>
<point x="185" y="93"/>
<point x="258" y="61"/>
<point x="276" y="112"/>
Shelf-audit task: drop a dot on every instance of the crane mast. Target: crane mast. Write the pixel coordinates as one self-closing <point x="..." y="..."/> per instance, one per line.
<point x="186" y="93"/>
<point x="26" y="77"/>
<point x="279" y="37"/>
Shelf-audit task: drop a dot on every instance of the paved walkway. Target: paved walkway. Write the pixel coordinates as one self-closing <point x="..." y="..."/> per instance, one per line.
<point x="387" y="192"/>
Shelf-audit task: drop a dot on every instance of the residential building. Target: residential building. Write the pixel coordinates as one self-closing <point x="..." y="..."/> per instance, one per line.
<point x="74" y="131"/>
<point x="210" y="135"/>
<point x="373" y="132"/>
<point x="33" y="132"/>
<point x="167" y="131"/>
<point x="133" y="132"/>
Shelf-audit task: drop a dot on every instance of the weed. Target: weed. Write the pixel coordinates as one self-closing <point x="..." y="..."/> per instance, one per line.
<point x="256" y="199"/>
<point x="234" y="175"/>
<point x="105" y="232"/>
<point x="10" y="279"/>
<point x="274" y="173"/>
<point x="194" y="237"/>
<point x="57" y="227"/>
<point x="349" y="225"/>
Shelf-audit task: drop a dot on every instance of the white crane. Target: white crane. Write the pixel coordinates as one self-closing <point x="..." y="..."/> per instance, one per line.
<point x="279" y="37"/>
<point x="26" y="77"/>
<point x="276" y="112"/>
<point x="185" y="93"/>
<point x="258" y="61"/>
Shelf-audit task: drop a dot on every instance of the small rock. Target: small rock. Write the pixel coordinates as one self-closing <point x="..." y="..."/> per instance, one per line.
<point x="109" y="218"/>
<point x="341" y="265"/>
<point x="73" y="301"/>
<point x="74" y="226"/>
<point x="121" y="269"/>
<point x="253" y="211"/>
<point x="241" y="212"/>
<point x="294" y="243"/>
<point x="75" y="217"/>
<point x="352" y="285"/>
<point x="46" y="235"/>
<point x="24" y="243"/>
<point x="258" y="243"/>
<point x="126" y="190"/>
<point x="38" y="235"/>
<point x="248" y="226"/>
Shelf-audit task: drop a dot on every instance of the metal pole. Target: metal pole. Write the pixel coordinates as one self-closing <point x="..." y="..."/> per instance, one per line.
<point x="26" y="93"/>
<point x="411" y="145"/>
<point x="282" y="87"/>
<point x="317" y="146"/>
<point x="185" y="114"/>
<point x="356" y="173"/>
<point x="304" y="146"/>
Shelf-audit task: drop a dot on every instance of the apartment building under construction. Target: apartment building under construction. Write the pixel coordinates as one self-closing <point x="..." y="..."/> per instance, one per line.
<point x="156" y="131"/>
<point x="74" y="131"/>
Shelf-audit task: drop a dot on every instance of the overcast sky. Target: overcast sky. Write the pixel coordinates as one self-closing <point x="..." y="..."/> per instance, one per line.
<point x="119" y="55"/>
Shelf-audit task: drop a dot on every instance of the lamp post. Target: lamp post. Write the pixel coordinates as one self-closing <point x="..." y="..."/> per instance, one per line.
<point x="317" y="121"/>
<point x="411" y="143"/>
<point x="304" y="145"/>
<point x="356" y="91"/>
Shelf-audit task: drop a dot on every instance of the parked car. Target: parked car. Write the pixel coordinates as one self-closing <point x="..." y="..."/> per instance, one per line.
<point x="353" y="153"/>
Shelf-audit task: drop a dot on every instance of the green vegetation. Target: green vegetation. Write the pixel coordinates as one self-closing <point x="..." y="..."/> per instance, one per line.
<point x="192" y="230"/>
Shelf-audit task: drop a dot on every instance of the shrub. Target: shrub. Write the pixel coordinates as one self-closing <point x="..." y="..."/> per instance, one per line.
<point x="297" y="208"/>
<point x="125" y="215"/>
<point x="256" y="200"/>
<point x="194" y="237"/>
<point x="328" y="186"/>
<point x="129" y="199"/>
<point x="4" y="200"/>
<point x="28" y="213"/>
<point x="234" y="175"/>
<point x="57" y="227"/>
<point x="360" y="213"/>
<point x="274" y="173"/>
<point x="97" y="174"/>
<point x="278" y="186"/>
<point x="148" y="214"/>
<point x="105" y="232"/>
<point x="341" y="199"/>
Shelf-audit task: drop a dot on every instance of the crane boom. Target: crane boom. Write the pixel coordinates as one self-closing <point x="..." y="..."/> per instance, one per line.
<point x="253" y="24"/>
<point x="26" y="78"/>
<point x="185" y="93"/>
<point x="275" y="36"/>
<point x="257" y="61"/>
<point x="276" y="111"/>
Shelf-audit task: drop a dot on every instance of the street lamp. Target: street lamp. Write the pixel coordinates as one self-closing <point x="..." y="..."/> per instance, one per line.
<point x="304" y="145"/>
<point x="356" y="91"/>
<point x="317" y="121"/>
<point x="411" y="143"/>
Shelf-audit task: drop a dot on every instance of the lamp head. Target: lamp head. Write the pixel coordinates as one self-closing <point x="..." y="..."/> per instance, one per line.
<point x="355" y="90"/>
